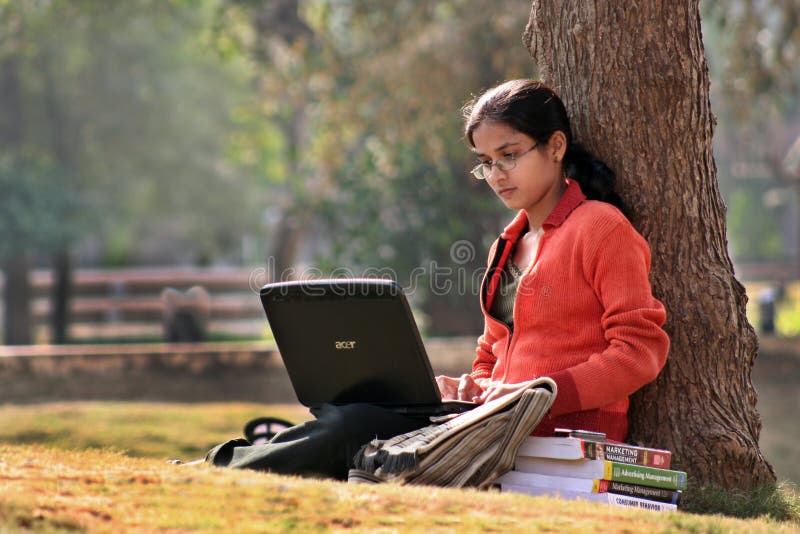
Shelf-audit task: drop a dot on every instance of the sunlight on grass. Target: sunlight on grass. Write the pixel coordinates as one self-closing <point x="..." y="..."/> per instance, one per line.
<point x="101" y="467"/>
<point x="49" y="489"/>
<point x="156" y="430"/>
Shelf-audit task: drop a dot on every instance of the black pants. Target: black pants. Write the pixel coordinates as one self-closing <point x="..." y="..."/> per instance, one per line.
<point x="321" y="448"/>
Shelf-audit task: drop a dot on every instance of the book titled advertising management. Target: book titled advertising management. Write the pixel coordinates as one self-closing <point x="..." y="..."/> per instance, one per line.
<point x="603" y="470"/>
<point x="610" y="498"/>
<point x="575" y="448"/>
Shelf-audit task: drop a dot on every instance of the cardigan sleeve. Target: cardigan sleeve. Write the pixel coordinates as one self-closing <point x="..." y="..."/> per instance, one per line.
<point x="617" y="265"/>
<point x="484" y="361"/>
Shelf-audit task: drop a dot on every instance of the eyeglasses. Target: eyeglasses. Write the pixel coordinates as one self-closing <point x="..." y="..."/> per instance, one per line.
<point x="482" y="171"/>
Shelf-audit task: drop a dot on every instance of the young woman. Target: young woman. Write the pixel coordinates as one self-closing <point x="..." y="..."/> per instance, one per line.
<point x="566" y="294"/>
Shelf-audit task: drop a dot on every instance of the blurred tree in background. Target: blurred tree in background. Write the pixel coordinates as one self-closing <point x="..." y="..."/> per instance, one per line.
<point x="114" y="125"/>
<point x="317" y="133"/>
<point x="378" y="169"/>
<point x="373" y="136"/>
<point x="754" y="56"/>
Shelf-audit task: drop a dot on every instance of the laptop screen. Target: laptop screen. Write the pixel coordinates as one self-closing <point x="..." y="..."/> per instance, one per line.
<point x="349" y="340"/>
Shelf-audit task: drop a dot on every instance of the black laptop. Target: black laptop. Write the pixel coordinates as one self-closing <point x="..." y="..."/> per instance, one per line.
<point x="347" y="341"/>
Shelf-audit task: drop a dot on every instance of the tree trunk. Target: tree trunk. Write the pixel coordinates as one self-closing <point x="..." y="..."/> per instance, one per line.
<point x="11" y="121"/>
<point x="60" y="296"/>
<point x="290" y="234"/>
<point x="635" y="80"/>
<point x="17" y="292"/>
<point x="65" y="156"/>
<point x="17" y="300"/>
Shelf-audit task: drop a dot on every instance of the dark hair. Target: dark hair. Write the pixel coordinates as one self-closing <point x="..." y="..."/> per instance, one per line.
<point x="533" y="108"/>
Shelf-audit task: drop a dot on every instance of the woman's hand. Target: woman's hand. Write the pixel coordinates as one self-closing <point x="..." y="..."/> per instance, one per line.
<point x="463" y="388"/>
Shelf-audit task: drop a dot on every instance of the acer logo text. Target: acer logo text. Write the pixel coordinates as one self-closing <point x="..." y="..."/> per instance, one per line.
<point x="345" y="344"/>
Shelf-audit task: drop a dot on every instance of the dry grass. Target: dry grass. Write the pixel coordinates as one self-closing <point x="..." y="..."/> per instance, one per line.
<point x="47" y="489"/>
<point x="101" y="467"/>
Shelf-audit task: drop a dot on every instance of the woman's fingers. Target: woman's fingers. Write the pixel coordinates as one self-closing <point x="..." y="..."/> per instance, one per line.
<point x="448" y="387"/>
<point x="463" y="384"/>
<point x="468" y="389"/>
<point x="462" y="388"/>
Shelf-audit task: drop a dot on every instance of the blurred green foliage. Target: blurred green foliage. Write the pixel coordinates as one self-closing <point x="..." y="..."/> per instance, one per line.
<point x="753" y="48"/>
<point x="120" y="121"/>
<point x="39" y="204"/>
<point x="379" y="171"/>
<point x="316" y="131"/>
<point x="754" y="229"/>
<point x="159" y="117"/>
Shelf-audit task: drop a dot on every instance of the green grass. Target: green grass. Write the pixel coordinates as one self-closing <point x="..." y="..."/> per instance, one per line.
<point x="101" y="467"/>
<point x="154" y="430"/>
<point x="780" y="502"/>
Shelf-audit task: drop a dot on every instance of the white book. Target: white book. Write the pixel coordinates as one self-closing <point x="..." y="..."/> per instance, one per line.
<point x="518" y="478"/>
<point x="609" y="498"/>
<point x="573" y="448"/>
<point x="549" y="466"/>
<point x="552" y="447"/>
<point x="550" y="492"/>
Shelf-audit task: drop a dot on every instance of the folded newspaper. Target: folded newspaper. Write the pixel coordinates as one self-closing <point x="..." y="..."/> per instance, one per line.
<point x="470" y="450"/>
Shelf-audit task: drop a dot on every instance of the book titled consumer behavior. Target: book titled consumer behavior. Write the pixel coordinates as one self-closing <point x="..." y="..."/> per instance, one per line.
<point x="614" y="499"/>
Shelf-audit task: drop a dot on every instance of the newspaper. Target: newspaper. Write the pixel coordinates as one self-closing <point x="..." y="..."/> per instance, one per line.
<point x="470" y="450"/>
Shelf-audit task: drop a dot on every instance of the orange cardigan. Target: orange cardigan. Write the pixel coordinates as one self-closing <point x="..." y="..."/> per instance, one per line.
<point x="584" y="315"/>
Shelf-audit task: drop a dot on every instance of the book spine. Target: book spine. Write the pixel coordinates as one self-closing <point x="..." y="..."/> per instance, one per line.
<point x="635" y="490"/>
<point x="626" y="454"/>
<point x="642" y="504"/>
<point x="518" y="478"/>
<point x="644" y="476"/>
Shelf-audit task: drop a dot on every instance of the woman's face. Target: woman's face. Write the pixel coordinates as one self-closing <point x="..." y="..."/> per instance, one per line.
<point x="536" y="182"/>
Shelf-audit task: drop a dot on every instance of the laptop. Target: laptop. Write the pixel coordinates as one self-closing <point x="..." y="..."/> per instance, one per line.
<point x="347" y="341"/>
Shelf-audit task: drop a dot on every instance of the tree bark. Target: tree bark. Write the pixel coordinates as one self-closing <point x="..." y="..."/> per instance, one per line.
<point x="635" y="81"/>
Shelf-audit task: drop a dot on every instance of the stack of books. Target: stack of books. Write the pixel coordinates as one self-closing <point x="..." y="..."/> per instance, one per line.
<point x="583" y="465"/>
